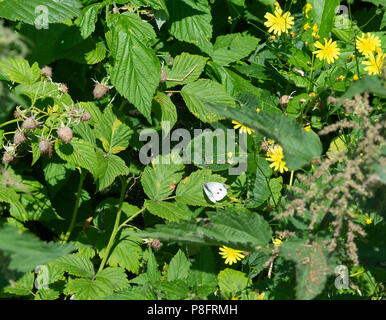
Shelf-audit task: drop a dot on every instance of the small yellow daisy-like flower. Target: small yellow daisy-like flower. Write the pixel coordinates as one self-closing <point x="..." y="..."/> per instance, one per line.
<point x="260" y="296"/>
<point x="279" y="22"/>
<point x="272" y="37"/>
<point x="307" y="9"/>
<point x="258" y="110"/>
<point x="374" y="65"/>
<point x="231" y="255"/>
<point x="275" y="155"/>
<point x="315" y="30"/>
<point x="243" y="128"/>
<point x="329" y="51"/>
<point x="340" y="78"/>
<point x="276" y="4"/>
<point x="369" y="221"/>
<point x="312" y="94"/>
<point x="351" y="57"/>
<point x="306" y="26"/>
<point x="277" y="241"/>
<point x="307" y="128"/>
<point x="317" y="37"/>
<point x="235" y="298"/>
<point x="367" y="44"/>
<point x="355" y="77"/>
<point x="270" y="141"/>
<point x="292" y="33"/>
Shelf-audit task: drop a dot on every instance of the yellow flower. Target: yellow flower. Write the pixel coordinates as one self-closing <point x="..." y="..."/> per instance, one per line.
<point x="231" y="255"/>
<point x="270" y="141"/>
<point x="340" y="78"/>
<point x="307" y="128"/>
<point x="277" y="241"/>
<point x="258" y="110"/>
<point x="235" y="298"/>
<point x="278" y="23"/>
<point x="329" y="51"/>
<point x="312" y="94"/>
<point x="272" y="37"/>
<point x="276" y="156"/>
<point x="276" y="4"/>
<point x="308" y="9"/>
<point x="355" y="77"/>
<point x="367" y="44"/>
<point x="351" y="57"/>
<point x="243" y="128"/>
<point x="374" y="65"/>
<point x="315" y="30"/>
<point x="292" y="33"/>
<point x="260" y="296"/>
<point x="369" y="220"/>
<point x="306" y="26"/>
<point x="317" y="37"/>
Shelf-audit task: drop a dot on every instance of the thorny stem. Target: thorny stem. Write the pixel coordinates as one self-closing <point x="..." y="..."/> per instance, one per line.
<point x="76" y="207"/>
<point x="116" y="224"/>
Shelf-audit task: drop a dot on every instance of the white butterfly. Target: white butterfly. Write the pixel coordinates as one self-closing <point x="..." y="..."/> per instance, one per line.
<point x="215" y="191"/>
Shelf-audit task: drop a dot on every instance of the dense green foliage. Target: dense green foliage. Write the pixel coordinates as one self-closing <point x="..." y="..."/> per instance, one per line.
<point x="83" y="217"/>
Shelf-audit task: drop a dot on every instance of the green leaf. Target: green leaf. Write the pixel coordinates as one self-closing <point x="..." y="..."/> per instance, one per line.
<point x="28" y="251"/>
<point x="152" y="272"/>
<point x="39" y="11"/>
<point x="161" y="175"/>
<point x="115" y="276"/>
<point x="23" y="286"/>
<point x="233" y="47"/>
<point x="178" y="267"/>
<point x="76" y="265"/>
<point x="191" y="22"/>
<point x="176" y="290"/>
<point x="190" y="190"/>
<point x="79" y="152"/>
<point x="133" y="293"/>
<point x="232" y="281"/>
<point x="87" y="19"/>
<point x="186" y="65"/>
<point x="39" y="90"/>
<point x="323" y="14"/>
<point x="312" y="266"/>
<point x="109" y="167"/>
<point x="203" y="273"/>
<point x="260" y="190"/>
<point x="18" y="70"/>
<point x="168" y="111"/>
<point x="243" y="230"/>
<point x="133" y="24"/>
<point x="125" y="252"/>
<point x="113" y="134"/>
<point x="367" y="83"/>
<point x="203" y="93"/>
<point x="166" y="210"/>
<point x="137" y="71"/>
<point x="299" y="146"/>
<point x="275" y="186"/>
<point x="89" y="51"/>
<point x="87" y="289"/>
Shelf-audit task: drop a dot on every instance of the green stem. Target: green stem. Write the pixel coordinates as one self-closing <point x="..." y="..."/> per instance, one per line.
<point x="76" y="207"/>
<point x="129" y="219"/>
<point x="116" y="225"/>
<point x="312" y="70"/>
<point x="291" y="178"/>
<point x="9" y="122"/>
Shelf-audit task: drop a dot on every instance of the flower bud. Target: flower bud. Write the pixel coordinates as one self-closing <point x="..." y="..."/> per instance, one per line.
<point x="284" y="100"/>
<point x="19" y="137"/>
<point x="163" y="75"/>
<point x="63" y="88"/>
<point x="29" y="123"/>
<point x="65" y="134"/>
<point x="16" y="114"/>
<point x="7" y="158"/>
<point x="100" y="90"/>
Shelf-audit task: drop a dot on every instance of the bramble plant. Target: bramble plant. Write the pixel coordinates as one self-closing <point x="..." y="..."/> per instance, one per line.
<point x="192" y="149"/>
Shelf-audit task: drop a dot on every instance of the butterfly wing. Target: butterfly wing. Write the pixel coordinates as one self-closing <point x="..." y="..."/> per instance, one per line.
<point x="215" y="191"/>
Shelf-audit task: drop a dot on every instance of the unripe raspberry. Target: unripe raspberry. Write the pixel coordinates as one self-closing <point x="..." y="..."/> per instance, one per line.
<point x="46" y="71"/>
<point x="29" y="123"/>
<point x="65" y="134"/>
<point x="100" y="90"/>
<point x="264" y="146"/>
<point x="85" y="116"/>
<point x="16" y="114"/>
<point x="284" y="100"/>
<point x="155" y="244"/>
<point x="45" y="148"/>
<point x="63" y="88"/>
<point x="7" y="158"/>
<point x="19" y="137"/>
